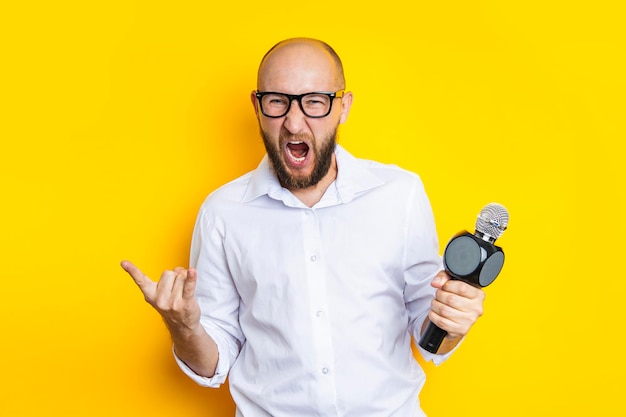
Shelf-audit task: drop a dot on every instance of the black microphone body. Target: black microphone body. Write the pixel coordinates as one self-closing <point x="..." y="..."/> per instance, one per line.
<point x="472" y="258"/>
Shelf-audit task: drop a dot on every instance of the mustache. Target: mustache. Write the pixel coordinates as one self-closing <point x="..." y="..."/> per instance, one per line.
<point x="304" y="137"/>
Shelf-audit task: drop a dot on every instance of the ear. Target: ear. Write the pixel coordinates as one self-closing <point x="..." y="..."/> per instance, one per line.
<point x="255" y="102"/>
<point x="346" y="104"/>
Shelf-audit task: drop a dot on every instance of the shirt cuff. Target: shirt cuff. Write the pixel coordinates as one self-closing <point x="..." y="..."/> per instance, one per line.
<point x="214" y="382"/>
<point x="436" y="358"/>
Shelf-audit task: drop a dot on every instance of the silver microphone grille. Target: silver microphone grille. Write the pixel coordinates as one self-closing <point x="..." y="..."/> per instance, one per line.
<point x="492" y="220"/>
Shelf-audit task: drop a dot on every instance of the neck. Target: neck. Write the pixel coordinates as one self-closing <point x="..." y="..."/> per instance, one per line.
<point x="312" y="195"/>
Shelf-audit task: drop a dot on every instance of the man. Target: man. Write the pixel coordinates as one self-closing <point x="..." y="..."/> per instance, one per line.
<point x="310" y="274"/>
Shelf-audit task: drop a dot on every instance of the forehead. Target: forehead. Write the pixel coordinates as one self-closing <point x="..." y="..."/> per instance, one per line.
<point x="298" y="68"/>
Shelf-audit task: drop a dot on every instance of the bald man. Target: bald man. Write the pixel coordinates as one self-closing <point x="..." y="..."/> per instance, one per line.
<point x="310" y="275"/>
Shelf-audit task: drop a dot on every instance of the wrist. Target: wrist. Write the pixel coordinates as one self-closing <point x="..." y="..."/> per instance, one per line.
<point x="184" y="331"/>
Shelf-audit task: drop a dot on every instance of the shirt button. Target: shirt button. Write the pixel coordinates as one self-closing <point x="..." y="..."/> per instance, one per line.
<point x="319" y="313"/>
<point x="313" y="258"/>
<point x="325" y="371"/>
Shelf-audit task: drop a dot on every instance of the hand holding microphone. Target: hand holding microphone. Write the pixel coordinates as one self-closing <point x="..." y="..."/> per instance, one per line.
<point x="473" y="259"/>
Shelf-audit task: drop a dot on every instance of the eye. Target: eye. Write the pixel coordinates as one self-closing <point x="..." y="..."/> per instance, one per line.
<point x="315" y="100"/>
<point x="275" y="100"/>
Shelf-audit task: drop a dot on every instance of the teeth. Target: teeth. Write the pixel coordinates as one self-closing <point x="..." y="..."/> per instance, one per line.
<point x="297" y="159"/>
<point x="294" y="157"/>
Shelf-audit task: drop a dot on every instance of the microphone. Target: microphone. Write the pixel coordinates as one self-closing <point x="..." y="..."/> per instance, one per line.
<point x="472" y="258"/>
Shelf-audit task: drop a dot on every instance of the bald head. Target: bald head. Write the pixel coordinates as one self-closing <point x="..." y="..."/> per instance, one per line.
<point x="301" y="65"/>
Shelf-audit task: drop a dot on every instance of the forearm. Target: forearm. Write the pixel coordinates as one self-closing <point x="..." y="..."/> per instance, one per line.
<point x="196" y="349"/>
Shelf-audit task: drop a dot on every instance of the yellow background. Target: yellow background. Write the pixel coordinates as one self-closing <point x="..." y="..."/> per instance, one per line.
<point x="118" y="117"/>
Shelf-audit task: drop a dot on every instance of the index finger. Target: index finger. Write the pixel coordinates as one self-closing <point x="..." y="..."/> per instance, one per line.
<point x="145" y="284"/>
<point x="464" y="289"/>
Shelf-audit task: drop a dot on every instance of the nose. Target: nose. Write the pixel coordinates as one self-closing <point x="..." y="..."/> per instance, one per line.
<point x="295" y="119"/>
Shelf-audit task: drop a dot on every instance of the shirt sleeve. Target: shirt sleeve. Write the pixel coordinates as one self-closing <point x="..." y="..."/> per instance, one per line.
<point x="422" y="263"/>
<point x="217" y="297"/>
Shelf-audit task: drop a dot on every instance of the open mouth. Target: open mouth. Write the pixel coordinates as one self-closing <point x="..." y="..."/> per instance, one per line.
<point x="297" y="151"/>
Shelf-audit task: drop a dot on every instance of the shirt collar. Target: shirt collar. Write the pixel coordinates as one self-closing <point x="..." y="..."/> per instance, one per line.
<point x="353" y="178"/>
<point x="262" y="181"/>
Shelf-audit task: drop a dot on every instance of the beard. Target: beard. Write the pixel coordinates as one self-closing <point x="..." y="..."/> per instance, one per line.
<point x="323" y="154"/>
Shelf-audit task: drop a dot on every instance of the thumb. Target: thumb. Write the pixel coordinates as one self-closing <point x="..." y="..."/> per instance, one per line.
<point x="440" y="279"/>
<point x="145" y="284"/>
<point x="189" y="287"/>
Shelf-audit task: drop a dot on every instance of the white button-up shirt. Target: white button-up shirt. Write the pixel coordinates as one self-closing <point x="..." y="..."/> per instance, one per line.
<point x="313" y="309"/>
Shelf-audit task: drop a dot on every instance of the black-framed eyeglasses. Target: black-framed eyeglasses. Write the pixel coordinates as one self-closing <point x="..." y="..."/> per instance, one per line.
<point x="316" y="105"/>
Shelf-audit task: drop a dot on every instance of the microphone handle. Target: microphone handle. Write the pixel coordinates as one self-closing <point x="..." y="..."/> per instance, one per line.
<point x="432" y="338"/>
